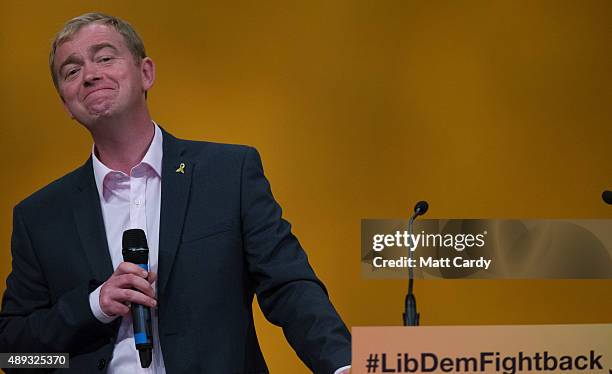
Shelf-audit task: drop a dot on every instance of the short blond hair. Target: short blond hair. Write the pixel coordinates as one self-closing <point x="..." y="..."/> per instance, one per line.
<point x="132" y="40"/>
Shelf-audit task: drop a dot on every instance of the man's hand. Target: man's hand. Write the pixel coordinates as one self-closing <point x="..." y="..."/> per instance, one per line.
<point x="128" y="284"/>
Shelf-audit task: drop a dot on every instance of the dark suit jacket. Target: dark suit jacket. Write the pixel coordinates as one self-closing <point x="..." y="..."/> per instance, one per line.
<point x="222" y="240"/>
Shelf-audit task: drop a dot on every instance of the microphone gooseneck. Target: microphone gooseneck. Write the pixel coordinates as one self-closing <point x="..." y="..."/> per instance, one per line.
<point x="411" y="316"/>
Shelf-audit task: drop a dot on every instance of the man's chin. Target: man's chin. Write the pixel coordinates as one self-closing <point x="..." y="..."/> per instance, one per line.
<point x="94" y="118"/>
<point x="100" y="108"/>
<point x="101" y="115"/>
<point x="101" y="112"/>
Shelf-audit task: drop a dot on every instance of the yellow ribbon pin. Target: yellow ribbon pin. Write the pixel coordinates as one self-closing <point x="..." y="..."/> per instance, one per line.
<point x="181" y="168"/>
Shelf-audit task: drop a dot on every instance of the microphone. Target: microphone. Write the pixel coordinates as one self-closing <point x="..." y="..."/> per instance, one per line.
<point x="411" y="316"/>
<point x="607" y="196"/>
<point x="420" y="208"/>
<point x="136" y="251"/>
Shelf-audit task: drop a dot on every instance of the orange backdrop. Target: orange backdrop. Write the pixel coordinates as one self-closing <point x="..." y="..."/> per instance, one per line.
<point x="487" y="109"/>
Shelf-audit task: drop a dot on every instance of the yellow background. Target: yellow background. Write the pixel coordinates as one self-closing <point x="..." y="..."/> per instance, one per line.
<point x="487" y="109"/>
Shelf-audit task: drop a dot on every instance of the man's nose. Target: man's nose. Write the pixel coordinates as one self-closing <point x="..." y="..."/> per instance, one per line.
<point x="90" y="74"/>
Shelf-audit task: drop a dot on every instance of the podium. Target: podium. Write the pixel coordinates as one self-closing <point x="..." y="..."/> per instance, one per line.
<point x="511" y="349"/>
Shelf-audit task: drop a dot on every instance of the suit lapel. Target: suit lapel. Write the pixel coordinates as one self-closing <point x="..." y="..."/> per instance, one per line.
<point x="176" y="181"/>
<point x="90" y="224"/>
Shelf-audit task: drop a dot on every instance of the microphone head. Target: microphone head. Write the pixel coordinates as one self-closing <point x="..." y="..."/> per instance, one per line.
<point x="134" y="238"/>
<point x="135" y="248"/>
<point x="607" y="196"/>
<point x="421" y="208"/>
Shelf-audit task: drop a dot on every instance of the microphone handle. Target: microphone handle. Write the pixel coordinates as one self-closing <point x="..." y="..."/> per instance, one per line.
<point x="143" y="336"/>
<point x="141" y="317"/>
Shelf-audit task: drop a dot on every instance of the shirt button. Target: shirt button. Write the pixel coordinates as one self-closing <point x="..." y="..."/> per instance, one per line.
<point x="101" y="364"/>
<point x="137" y="202"/>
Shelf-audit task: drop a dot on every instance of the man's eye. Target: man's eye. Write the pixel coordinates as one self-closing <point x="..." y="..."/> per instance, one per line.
<point x="105" y="59"/>
<point x="71" y="72"/>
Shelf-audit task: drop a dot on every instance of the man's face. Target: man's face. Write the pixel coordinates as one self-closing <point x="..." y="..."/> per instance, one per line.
<point x="98" y="77"/>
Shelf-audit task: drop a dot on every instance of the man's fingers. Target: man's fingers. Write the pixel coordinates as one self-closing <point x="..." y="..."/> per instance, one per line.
<point x="136" y="297"/>
<point x="113" y="307"/>
<point x="118" y="301"/>
<point x="128" y="284"/>
<point x="124" y="297"/>
<point x="152" y="277"/>
<point x="117" y="309"/>
<point x="129" y="281"/>
<point x="129" y="268"/>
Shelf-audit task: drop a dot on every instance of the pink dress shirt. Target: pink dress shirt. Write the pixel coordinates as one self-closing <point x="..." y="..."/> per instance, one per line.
<point x="130" y="202"/>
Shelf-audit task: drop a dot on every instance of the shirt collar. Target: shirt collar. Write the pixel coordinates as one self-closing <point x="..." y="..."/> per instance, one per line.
<point x="153" y="158"/>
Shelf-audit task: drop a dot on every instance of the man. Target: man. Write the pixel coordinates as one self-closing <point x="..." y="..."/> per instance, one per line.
<point x="215" y="234"/>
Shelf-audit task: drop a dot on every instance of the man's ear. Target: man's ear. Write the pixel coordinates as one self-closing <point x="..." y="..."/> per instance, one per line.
<point x="147" y="72"/>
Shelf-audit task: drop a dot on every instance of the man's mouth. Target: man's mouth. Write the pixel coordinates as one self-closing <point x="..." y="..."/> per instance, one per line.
<point x="96" y="90"/>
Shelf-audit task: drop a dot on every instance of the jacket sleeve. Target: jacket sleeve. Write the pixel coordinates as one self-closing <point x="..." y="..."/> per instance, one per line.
<point x="288" y="291"/>
<point x="30" y="321"/>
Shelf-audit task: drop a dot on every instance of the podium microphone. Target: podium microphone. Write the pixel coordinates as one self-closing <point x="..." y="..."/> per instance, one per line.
<point x="411" y="316"/>
<point x="607" y="196"/>
<point x="136" y="251"/>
